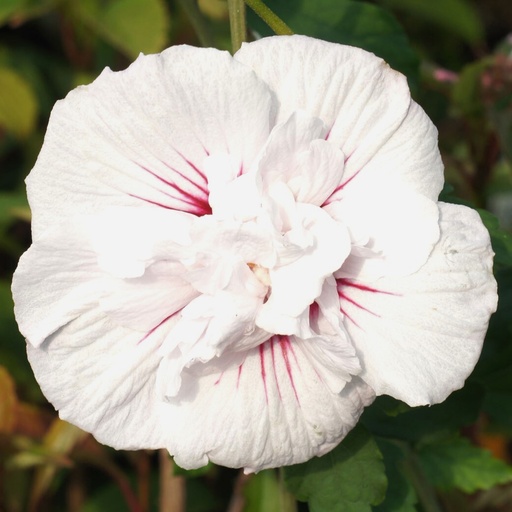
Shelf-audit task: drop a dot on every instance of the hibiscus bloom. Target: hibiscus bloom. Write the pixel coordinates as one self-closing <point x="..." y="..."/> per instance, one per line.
<point x="233" y="255"/>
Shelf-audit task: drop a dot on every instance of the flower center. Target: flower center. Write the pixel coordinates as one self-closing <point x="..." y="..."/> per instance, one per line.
<point x="261" y="273"/>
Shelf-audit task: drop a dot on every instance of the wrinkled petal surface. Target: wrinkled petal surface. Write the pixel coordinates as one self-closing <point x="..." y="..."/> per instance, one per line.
<point x="420" y="336"/>
<point x="233" y="255"/>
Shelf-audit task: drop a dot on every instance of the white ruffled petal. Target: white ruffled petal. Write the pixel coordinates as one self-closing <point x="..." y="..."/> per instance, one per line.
<point x="139" y="137"/>
<point x="361" y="100"/>
<point x="144" y="302"/>
<point x="268" y="408"/>
<point x="398" y="228"/>
<point x="409" y="158"/>
<point x="419" y="337"/>
<point x="297" y="154"/>
<point x="54" y="283"/>
<point x="101" y="377"/>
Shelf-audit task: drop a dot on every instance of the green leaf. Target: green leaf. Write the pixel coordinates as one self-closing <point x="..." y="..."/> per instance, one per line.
<point x="344" y="21"/>
<point x="13" y="347"/>
<point x="390" y="418"/>
<point x="108" y="497"/>
<point x="456" y="463"/>
<point x="350" y="478"/>
<point x="7" y="8"/>
<point x="467" y="92"/>
<point x="498" y="408"/>
<point x="193" y="473"/>
<point x="455" y="16"/>
<point x="19" y="11"/>
<point x="8" y="403"/>
<point x="132" y="26"/>
<point x="18" y="104"/>
<point x="264" y="493"/>
<point x="500" y="239"/>
<point x="400" y="495"/>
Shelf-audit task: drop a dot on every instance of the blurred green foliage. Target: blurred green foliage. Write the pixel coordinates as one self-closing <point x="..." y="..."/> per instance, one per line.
<point x="453" y="457"/>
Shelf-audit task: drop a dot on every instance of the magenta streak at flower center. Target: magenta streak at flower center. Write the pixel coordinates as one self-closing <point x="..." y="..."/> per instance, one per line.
<point x="348" y="283"/>
<point x="157" y="326"/>
<point x="200" y="203"/>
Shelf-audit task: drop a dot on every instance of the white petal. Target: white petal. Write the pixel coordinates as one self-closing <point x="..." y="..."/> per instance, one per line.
<point x="79" y="260"/>
<point x="418" y="337"/>
<point x="101" y="377"/>
<point x="144" y="302"/>
<point x="401" y="228"/>
<point x="140" y="136"/>
<point x="297" y="154"/>
<point x="357" y="95"/>
<point x="322" y="245"/>
<point x="54" y="283"/>
<point x="127" y="240"/>
<point x="410" y="157"/>
<point x="268" y="408"/>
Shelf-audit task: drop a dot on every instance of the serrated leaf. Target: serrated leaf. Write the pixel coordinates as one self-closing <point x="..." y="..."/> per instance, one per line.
<point x="264" y="493"/>
<point x="456" y="463"/>
<point x="350" y="478"/>
<point x="400" y="495"/>
<point x="132" y="26"/>
<point x="18" y="104"/>
<point x="358" y="24"/>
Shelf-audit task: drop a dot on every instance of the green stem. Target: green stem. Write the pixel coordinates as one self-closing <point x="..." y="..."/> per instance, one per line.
<point x="237" y="23"/>
<point x="425" y="491"/>
<point x="198" y="21"/>
<point x="270" y="18"/>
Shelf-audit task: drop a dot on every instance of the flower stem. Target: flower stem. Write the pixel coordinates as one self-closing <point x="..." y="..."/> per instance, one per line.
<point x="198" y="21"/>
<point x="237" y="23"/>
<point x="172" y="487"/>
<point x="270" y="18"/>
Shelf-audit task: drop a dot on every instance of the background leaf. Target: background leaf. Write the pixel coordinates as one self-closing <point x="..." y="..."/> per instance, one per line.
<point x="350" y="478"/>
<point x="132" y="26"/>
<point x="264" y="493"/>
<point x="344" y="21"/>
<point x="455" y="16"/>
<point x="400" y="495"/>
<point x="389" y="418"/>
<point x="18" y="104"/>
<point x="456" y="463"/>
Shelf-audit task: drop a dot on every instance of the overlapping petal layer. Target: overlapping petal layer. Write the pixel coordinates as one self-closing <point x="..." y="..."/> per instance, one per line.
<point x="270" y="406"/>
<point x="233" y="255"/>
<point x="419" y="336"/>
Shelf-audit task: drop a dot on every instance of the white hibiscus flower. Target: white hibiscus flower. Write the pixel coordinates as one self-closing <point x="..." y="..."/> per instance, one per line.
<point x="232" y="255"/>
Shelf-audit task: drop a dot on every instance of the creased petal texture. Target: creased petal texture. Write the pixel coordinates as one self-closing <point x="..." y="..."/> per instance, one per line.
<point x="419" y="336"/>
<point x="232" y="256"/>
